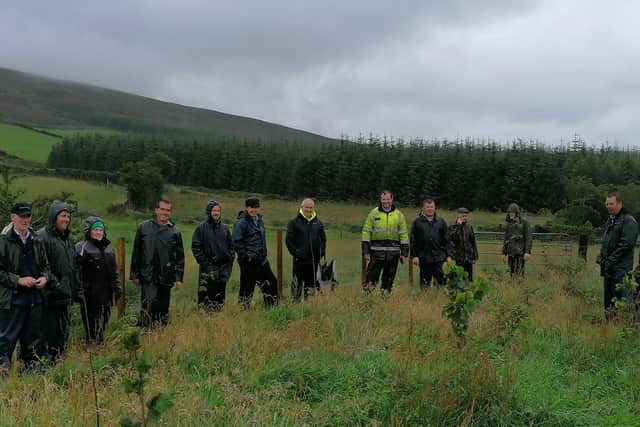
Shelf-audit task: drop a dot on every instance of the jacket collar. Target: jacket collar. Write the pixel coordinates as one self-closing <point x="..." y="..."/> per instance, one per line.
<point x="393" y="208"/>
<point x="313" y="216"/>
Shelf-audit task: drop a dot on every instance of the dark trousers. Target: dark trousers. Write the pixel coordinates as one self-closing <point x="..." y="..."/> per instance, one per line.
<point x="387" y="267"/>
<point x="95" y="318"/>
<point x="516" y="265"/>
<point x="56" y="330"/>
<point x="304" y="279"/>
<point x="21" y="323"/>
<point x="255" y="273"/>
<point x="211" y="294"/>
<point x="429" y="271"/>
<point x="610" y="291"/>
<point x="155" y="303"/>
<point x="468" y="267"/>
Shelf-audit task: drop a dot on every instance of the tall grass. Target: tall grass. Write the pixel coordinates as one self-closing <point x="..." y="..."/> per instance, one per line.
<point x="537" y="352"/>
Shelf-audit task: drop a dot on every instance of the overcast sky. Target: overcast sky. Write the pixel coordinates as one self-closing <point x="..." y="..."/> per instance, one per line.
<point x="537" y="69"/>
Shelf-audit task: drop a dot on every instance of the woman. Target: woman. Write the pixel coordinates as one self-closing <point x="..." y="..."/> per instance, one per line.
<point x="99" y="278"/>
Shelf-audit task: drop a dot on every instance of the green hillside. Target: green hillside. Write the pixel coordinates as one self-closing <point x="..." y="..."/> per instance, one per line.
<point x="25" y="143"/>
<point x="44" y="102"/>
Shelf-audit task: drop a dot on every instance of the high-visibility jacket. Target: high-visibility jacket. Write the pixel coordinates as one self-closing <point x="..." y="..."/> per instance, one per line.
<point x="385" y="234"/>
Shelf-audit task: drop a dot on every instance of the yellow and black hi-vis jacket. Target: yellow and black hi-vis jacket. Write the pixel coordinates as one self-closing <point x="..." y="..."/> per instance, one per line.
<point x="385" y="234"/>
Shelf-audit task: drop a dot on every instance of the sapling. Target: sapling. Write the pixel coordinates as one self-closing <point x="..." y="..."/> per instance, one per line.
<point x="140" y="365"/>
<point x="463" y="298"/>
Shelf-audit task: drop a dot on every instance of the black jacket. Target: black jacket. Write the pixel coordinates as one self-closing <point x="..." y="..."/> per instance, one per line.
<point x="99" y="275"/>
<point x="10" y="253"/>
<point x="158" y="254"/>
<point x="249" y="239"/>
<point x="65" y="280"/>
<point x="517" y="237"/>
<point x="306" y="239"/>
<point x="618" y="244"/>
<point x="462" y="243"/>
<point x="212" y="248"/>
<point x="429" y="239"/>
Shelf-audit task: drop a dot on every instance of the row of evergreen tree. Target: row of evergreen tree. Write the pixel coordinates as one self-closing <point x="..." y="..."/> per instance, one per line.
<point x="476" y="175"/>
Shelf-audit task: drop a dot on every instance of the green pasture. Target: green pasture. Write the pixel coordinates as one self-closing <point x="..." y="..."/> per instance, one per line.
<point x="25" y="143"/>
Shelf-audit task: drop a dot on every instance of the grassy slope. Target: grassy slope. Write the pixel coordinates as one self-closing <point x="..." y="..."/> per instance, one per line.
<point x="345" y="359"/>
<point x="34" y="146"/>
<point x="40" y="101"/>
<point x="26" y="144"/>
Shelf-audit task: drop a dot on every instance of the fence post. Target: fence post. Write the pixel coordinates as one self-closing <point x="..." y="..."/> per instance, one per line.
<point x="120" y="259"/>
<point x="583" y="245"/>
<point x="410" y="272"/>
<point x="279" y="262"/>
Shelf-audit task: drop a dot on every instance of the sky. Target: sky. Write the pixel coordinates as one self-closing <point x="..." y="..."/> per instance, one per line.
<point x="495" y="69"/>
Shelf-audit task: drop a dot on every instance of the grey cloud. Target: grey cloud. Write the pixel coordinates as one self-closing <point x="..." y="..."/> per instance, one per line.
<point x="540" y="69"/>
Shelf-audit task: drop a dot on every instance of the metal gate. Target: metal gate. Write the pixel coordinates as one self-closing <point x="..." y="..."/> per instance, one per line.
<point x="547" y="247"/>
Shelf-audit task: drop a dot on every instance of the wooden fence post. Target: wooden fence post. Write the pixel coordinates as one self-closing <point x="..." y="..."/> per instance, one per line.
<point x="583" y="245"/>
<point x="120" y="259"/>
<point x="279" y="262"/>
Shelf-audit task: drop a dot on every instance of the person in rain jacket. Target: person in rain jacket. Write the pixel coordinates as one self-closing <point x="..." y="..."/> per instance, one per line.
<point x="65" y="284"/>
<point x="429" y="244"/>
<point x="250" y="244"/>
<point x="99" y="278"/>
<point x="24" y="273"/>
<point x="306" y="242"/>
<point x="212" y="248"/>
<point x="462" y="239"/>
<point x="385" y="241"/>
<point x="157" y="265"/>
<point x="616" y="252"/>
<point x="516" y="248"/>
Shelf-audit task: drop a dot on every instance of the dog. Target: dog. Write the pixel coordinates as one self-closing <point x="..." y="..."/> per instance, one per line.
<point x="326" y="276"/>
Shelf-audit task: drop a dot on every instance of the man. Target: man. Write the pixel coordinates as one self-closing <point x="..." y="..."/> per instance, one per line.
<point x="516" y="247"/>
<point x="65" y="280"/>
<point x="250" y="243"/>
<point x="463" y="248"/>
<point x="306" y="242"/>
<point x="212" y="248"/>
<point x="616" y="252"/>
<point x="385" y="240"/>
<point x="429" y="244"/>
<point x="24" y="272"/>
<point x="157" y="264"/>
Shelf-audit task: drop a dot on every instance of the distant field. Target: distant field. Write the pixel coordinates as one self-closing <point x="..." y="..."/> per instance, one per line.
<point x="30" y="145"/>
<point x="85" y="131"/>
<point x="25" y="143"/>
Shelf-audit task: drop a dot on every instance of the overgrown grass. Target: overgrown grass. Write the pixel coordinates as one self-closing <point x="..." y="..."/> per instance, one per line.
<point x="537" y="351"/>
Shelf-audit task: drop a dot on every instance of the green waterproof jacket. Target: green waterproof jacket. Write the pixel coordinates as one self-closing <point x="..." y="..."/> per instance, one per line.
<point x="517" y="237"/>
<point x="60" y="247"/>
<point x="618" y="244"/>
<point x="158" y="254"/>
<point x="10" y="252"/>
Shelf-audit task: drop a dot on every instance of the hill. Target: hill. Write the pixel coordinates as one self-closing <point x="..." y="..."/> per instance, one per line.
<point x="44" y="102"/>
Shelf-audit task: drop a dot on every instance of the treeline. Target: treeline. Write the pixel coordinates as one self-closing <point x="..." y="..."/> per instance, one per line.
<point x="476" y="175"/>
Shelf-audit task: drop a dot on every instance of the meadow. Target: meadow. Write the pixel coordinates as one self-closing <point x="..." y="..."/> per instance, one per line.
<point x="538" y="351"/>
<point x="35" y="146"/>
<point x="25" y="143"/>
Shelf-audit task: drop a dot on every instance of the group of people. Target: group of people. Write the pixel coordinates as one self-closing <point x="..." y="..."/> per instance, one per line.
<point x="42" y="273"/>
<point x="430" y="242"/>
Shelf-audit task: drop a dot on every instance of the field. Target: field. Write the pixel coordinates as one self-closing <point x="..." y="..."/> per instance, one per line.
<point x="25" y="143"/>
<point x="35" y="146"/>
<point x="538" y="352"/>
